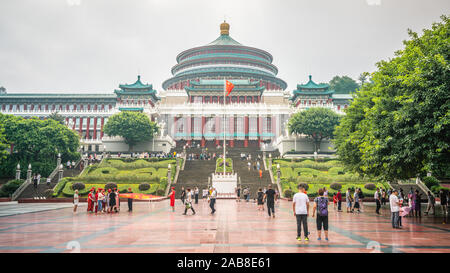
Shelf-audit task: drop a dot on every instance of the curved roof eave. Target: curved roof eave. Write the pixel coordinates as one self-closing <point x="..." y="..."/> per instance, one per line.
<point x="190" y="76"/>
<point x="225" y="46"/>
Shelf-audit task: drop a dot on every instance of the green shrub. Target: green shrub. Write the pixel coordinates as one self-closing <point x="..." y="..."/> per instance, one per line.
<point x="335" y="186"/>
<point x="110" y="185"/>
<point x="10" y="187"/>
<point x="144" y="186"/>
<point x="430" y="181"/>
<point x="288" y="193"/>
<point x="78" y="186"/>
<point x="370" y="186"/>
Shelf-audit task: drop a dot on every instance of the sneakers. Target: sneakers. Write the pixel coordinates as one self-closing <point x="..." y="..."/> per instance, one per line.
<point x="299" y="238"/>
<point x="318" y="239"/>
<point x="326" y="239"/>
<point x="306" y="239"/>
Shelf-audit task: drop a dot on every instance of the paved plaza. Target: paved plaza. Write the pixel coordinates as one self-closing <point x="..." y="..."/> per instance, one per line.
<point x="236" y="227"/>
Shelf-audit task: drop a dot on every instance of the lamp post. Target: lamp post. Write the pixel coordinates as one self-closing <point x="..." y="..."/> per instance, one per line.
<point x="58" y="161"/>
<point x="169" y="174"/>
<point x="60" y="172"/>
<point x="29" y="173"/>
<point x="18" y="172"/>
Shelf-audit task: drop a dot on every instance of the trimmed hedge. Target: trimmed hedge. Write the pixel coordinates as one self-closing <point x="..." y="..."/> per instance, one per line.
<point x="78" y="186"/>
<point x="144" y="186"/>
<point x="336" y="186"/>
<point x="10" y="187"/>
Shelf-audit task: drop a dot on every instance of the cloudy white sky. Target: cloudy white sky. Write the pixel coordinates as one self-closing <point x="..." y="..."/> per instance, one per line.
<point x="94" y="45"/>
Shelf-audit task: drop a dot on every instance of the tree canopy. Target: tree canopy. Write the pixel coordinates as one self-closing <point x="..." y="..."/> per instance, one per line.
<point x="317" y="123"/>
<point x="134" y="127"/>
<point x="398" y="124"/>
<point x="37" y="142"/>
<point x="343" y="85"/>
<point x="56" y="117"/>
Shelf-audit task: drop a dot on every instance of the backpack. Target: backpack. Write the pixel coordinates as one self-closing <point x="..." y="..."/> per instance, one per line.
<point x="322" y="204"/>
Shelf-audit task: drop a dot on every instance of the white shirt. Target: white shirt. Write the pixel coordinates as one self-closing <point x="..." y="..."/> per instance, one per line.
<point x="300" y="199"/>
<point x="393" y="202"/>
<point x="376" y="195"/>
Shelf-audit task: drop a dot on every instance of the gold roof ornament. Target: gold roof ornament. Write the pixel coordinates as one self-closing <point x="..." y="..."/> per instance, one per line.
<point x="224" y="28"/>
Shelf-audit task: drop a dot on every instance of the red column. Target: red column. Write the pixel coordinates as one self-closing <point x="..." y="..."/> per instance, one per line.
<point x="95" y="128"/>
<point x="246" y="131"/>
<point x="203" y="131"/>
<point x="101" y="129"/>
<point x="87" y="127"/>
<point x="188" y="129"/>
<point x="231" y="131"/>
<point x="74" y="120"/>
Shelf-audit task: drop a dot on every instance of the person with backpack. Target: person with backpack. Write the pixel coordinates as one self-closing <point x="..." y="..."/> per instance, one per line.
<point x="321" y="205"/>
<point x="183" y="195"/>
<point x="188" y="202"/>
<point x="270" y="197"/>
<point x="356" y="198"/>
<point x="377" y="198"/>
<point x="245" y="194"/>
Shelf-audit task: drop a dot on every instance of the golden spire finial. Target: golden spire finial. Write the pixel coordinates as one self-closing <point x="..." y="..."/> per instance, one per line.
<point x="224" y="28"/>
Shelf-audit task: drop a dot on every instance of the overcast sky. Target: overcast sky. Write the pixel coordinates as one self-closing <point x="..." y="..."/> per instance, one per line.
<point x="95" y="45"/>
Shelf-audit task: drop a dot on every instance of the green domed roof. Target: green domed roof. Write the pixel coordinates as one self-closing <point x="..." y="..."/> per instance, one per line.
<point x="224" y="40"/>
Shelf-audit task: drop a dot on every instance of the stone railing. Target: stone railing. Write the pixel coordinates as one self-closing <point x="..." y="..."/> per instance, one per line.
<point x="19" y="190"/>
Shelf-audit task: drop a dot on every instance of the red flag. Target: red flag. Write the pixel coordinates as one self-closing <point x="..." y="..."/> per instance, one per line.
<point x="228" y="86"/>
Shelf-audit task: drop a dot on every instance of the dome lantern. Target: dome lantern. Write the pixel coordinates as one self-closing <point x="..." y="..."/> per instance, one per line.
<point x="224" y="28"/>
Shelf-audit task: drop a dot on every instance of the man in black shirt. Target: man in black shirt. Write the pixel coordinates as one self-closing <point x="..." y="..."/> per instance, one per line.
<point x="270" y="199"/>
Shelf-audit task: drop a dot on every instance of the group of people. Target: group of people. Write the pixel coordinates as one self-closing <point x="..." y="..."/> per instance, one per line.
<point x="189" y="196"/>
<point x="102" y="201"/>
<point x="300" y="207"/>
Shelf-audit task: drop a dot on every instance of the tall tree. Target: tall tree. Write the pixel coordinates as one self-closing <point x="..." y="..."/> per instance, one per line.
<point x="37" y="142"/>
<point x="317" y="123"/>
<point x="363" y="78"/>
<point x="134" y="127"/>
<point x="399" y="125"/>
<point x="56" y="117"/>
<point x="343" y="85"/>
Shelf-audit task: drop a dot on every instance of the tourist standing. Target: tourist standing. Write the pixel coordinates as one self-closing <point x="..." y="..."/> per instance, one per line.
<point x="348" y="199"/>
<point x="238" y="194"/>
<point x="339" y="198"/>
<point x="383" y="197"/>
<point x="417" y="204"/>
<point x="444" y="201"/>
<point x="360" y="198"/>
<point x="431" y="202"/>
<point x="334" y="201"/>
<point x="112" y="200"/>
<point x="130" y="200"/>
<point x="100" y="197"/>
<point x="183" y="195"/>
<point x="321" y="204"/>
<point x="117" y="208"/>
<point x="196" y="195"/>
<point x="212" y="200"/>
<point x="260" y="174"/>
<point x="76" y="200"/>
<point x="300" y="207"/>
<point x="249" y="165"/>
<point x="172" y="198"/>
<point x="260" y="198"/>
<point x="35" y="181"/>
<point x="205" y="194"/>
<point x="104" y="200"/>
<point x="188" y="202"/>
<point x="377" y="198"/>
<point x="245" y="194"/>
<point x="270" y="199"/>
<point x="395" y="209"/>
<point x="107" y="200"/>
<point x="356" y="199"/>
<point x="95" y="201"/>
<point x="90" y="207"/>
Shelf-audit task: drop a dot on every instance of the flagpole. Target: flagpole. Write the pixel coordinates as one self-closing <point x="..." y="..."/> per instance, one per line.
<point x="224" y="143"/>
